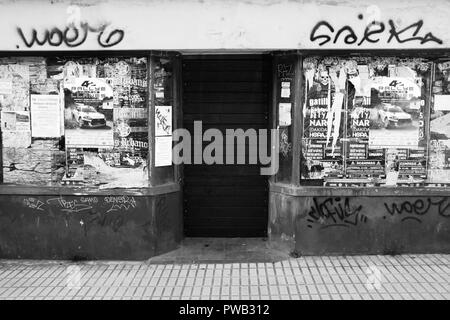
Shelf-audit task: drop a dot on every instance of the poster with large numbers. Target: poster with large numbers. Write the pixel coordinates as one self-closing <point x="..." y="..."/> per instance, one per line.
<point x="364" y="121"/>
<point x="323" y="122"/>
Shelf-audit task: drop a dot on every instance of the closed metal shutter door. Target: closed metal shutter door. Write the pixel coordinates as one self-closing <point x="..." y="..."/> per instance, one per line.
<point x="226" y="92"/>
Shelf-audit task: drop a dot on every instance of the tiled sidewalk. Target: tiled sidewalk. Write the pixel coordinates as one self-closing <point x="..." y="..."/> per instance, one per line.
<point x="359" y="277"/>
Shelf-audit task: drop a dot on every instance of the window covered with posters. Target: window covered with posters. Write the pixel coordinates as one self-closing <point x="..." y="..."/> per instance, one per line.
<point x="78" y="121"/>
<point x="439" y="147"/>
<point x="366" y="121"/>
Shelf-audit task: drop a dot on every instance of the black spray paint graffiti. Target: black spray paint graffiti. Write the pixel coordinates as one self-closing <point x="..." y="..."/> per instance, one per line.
<point x="72" y="36"/>
<point x="334" y="212"/>
<point x="163" y="122"/>
<point x="285" y="72"/>
<point x="104" y="219"/>
<point x="325" y="32"/>
<point x="414" y="210"/>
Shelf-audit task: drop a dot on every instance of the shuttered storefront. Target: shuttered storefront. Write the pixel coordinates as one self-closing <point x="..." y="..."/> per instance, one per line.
<point x="226" y="92"/>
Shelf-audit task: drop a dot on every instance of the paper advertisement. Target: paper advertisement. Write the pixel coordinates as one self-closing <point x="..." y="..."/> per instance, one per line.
<point x="285" y="89"/>
<point x="441" y="102"/>
<point x="129" y="81"/>
<point x="323" y="128"/>
<point x="439" y="161"/>
<point x="163" y="121"/>
<point x="88" y="113"/>
<point x="45" y="116"/>
<point x="409" y="165"/>
<point x="163" y="151"/>
<point x="130" y="137"/>
<point x="361" y="108"/>
<point x="284" y="114"/>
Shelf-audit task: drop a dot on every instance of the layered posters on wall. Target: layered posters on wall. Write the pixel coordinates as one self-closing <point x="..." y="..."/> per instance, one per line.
<point x="15" y="106"/>
<point x="106" y="122"/>
<point x="378" y="104"/>
<point x="30" y="115"/>
<point x="323" y="123"/>
<point x="163" y="96"/>
<point x="439" y="148"/>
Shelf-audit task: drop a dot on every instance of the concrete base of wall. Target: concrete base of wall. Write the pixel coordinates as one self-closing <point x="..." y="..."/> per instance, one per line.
<point x="344" y="225"/>
<point x="70" y="227"/>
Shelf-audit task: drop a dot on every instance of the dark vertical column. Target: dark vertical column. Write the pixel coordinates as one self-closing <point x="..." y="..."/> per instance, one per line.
<point x="273" y="103"/>
<point x="178" y="106"/>
<point x="427" y="113"/>
<point x="297" y="120"/>
<point x="285" y="65"/>
<point x="1" y="157"/>
<point x="166" y="174"/>
<point x="151" y="119"/>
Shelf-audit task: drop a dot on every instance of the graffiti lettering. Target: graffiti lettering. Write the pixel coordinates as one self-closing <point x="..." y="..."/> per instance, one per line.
<point x="72" y="36"/>
<point x="89" y="200"/>
<point x="69" y="206"/>
<point x="33" y="203"/>
<point x="414" y="210"/>
<point x="104" y="219"/>
<point x="443" y="205"/>
<point x="416" y="27"/>
<point x="163" y="122"/>
<point x="285" y="71"/>
<point x="120" y="203"/>
<point x="325" y="33"/>
<point x="334" y="212"/>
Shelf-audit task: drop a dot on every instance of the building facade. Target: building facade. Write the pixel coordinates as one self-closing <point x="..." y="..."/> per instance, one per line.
<point x="342" y="109"/>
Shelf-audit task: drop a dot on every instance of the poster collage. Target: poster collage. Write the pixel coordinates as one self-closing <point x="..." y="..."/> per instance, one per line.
<point x="364" y="122"/>
<point x="439" y="147"/>
<point x="101" y="107"/>
<point x="106" y="121"/>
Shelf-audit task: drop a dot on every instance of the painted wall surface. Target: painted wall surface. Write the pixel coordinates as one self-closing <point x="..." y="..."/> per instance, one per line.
<point x="223" y="25"/>
<point x="361" y="225"/>
<point x="89" y="227"/>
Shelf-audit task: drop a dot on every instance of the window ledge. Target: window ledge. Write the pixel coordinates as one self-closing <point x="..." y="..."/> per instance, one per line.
<point x="307" y="191"/>
<point x="81" y="191"/>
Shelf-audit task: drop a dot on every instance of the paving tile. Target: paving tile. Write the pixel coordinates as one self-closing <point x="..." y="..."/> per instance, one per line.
<point x="328" y="278"/>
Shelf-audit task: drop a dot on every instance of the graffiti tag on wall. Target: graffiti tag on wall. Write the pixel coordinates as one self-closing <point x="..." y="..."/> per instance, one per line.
<point x="325" y="33"/>
<point x="334" y="212"/>
<point x="415" y="210"/>
<point x="341" y="212"/>
<point x="72" y="36"/>
<point x="109" y="211"/>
